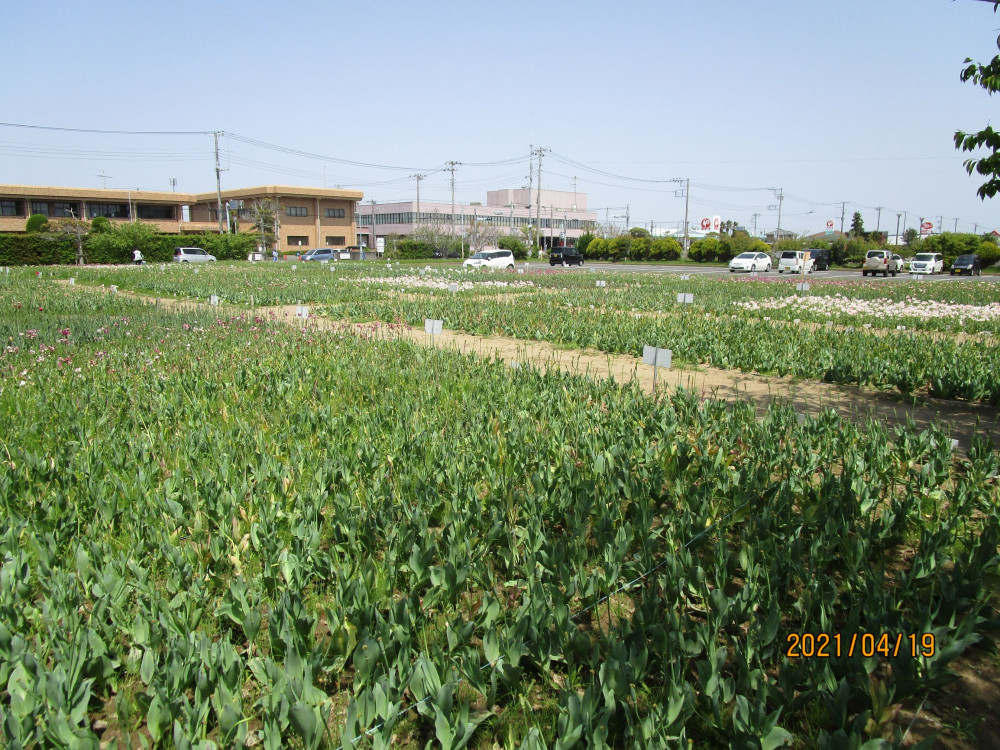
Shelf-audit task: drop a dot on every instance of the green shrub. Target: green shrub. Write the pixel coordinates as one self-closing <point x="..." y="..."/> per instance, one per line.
<point x="665" y="248"/>
<point x="101" y="224"/>
<point x="518" y="248"/>
<point x="414" y="250"/>
<point x="36" y="223"/>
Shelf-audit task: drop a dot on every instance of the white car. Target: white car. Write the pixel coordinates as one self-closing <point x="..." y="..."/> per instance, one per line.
<point x="796" y="261"/>
<point x="752" y="262"/>
<point x="927" y="263"/>
<point x="191" y="255"/>
<point x="491" y="259"/>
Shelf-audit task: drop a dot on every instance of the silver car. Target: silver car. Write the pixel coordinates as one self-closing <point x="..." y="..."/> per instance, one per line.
<point x="191" y="255"/>
<point x="491" y="259"/>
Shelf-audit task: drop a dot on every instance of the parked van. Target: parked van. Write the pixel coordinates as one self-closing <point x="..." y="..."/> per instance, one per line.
<point x="821" y="257"/>
<point x="796" y="261"/>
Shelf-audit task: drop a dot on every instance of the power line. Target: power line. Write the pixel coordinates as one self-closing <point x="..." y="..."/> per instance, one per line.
<point x="107" y="132"/>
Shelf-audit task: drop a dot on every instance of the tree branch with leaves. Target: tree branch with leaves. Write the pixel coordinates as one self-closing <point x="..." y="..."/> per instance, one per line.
<point x="988" y="77"/>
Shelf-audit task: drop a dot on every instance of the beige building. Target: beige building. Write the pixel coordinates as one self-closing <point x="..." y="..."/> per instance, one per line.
<point x="306" y="217"/>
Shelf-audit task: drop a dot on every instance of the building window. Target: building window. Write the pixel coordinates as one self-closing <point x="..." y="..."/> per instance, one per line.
<point x="10" y="208"/>
<point x="336" y="240"/>
<point x="65" y="210"/>
<point x="40" y="207"/>
<point x="335" y="213"/>
<point x="297" y="211"/>
<point x="297" y="240"/>
<point x="155" y="212"/>
<point x="110" y="210"/>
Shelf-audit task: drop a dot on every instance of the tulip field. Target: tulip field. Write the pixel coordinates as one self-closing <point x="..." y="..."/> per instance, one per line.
<point x="223" y="529"/>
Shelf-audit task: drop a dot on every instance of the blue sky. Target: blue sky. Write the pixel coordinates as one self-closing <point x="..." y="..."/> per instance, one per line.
<point x="852" y="101"/>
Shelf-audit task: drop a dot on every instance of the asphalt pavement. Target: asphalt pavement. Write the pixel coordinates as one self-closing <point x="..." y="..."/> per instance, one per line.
<point x="720" y="271"/>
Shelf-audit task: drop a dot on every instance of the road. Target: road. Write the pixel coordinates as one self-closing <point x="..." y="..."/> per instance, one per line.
<point x="720" y="271"/>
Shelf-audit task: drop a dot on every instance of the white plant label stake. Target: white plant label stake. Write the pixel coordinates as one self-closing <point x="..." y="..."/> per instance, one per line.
<point x="433" y="327"/>
<point x="653" y="355"/>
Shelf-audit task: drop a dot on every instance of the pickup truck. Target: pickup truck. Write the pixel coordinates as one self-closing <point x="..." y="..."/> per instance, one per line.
<point x="882" y="262"/>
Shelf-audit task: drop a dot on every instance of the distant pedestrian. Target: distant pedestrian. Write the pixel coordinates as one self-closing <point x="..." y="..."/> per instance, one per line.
<point x="137" y="257"/>
<point x="274" y="255"/>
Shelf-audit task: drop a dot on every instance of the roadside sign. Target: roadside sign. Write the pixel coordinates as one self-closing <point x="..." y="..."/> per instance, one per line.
<point x="432" y="326"/>
<point x="684" y="299"/>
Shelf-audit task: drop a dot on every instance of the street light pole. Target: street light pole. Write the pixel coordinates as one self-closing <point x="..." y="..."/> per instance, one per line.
<point x="898" y="215"/>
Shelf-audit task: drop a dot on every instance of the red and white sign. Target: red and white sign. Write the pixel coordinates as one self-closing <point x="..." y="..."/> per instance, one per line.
<point x="829" y="224"/>
<point x="716" y="223"/>
<point x="926" y="227"/>
<point x="706" y="223"/>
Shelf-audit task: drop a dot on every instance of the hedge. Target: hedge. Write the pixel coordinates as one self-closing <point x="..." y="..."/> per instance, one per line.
<point x="44" y="249"/>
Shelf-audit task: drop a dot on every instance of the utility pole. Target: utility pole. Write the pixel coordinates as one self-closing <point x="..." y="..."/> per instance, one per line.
<point x="628" y="229"/>
<point x="878" y="220"/>
<point x="940" y="225"/>
<point x="777" y="232"/>
<point x="843" y="208"/>
<point x="898" y="217"/>
<point x="687" y="203"/>
<point x="373" y="231"/>
<point x="451" y="167"/>
<point x="956" y="225"/>
<point x="173" y="184"/>
<point x="755" y="224"/>
<point x="418" y="177"/>
<point x="538" y="200"/>
<point x="218" y="178"/>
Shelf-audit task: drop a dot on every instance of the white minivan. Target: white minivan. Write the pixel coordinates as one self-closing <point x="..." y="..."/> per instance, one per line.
<point x="796" y="261"/>
<point x="927" y="263"/>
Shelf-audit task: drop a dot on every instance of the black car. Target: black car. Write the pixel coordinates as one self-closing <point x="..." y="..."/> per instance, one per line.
<point x="970" y="264"/>
<point x="567" y="256"/>
<point x="822" y="258"/>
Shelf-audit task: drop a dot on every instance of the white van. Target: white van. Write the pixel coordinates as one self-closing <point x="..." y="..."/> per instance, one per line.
<point x="796" y="261"/>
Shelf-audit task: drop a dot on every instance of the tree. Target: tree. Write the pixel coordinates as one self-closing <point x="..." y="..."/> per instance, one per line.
<point x="263" y="214"/>
<point x="911" y="237"/>
<point x="36" y="223"/>
<point x="581" y="244"/>
<point x="988" y="77"/>
<point x="77" y="229"/>
<point x="857" y="225"/>
<point x="481" y="235"/>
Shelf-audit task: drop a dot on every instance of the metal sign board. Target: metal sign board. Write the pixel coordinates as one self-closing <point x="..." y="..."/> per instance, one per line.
<point x="301" y="311"/>
<point x="602" y="283"/>
<point x="213" y="300"/>
<point x="685" y="277"/>
<point x="453" y="288"/>
<point x="652" y="355"/>
<point x="432" y="326"/>
<point x="72" y="281"/>
<point x="802" y="286"/>
<point x="684" y="299"/>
